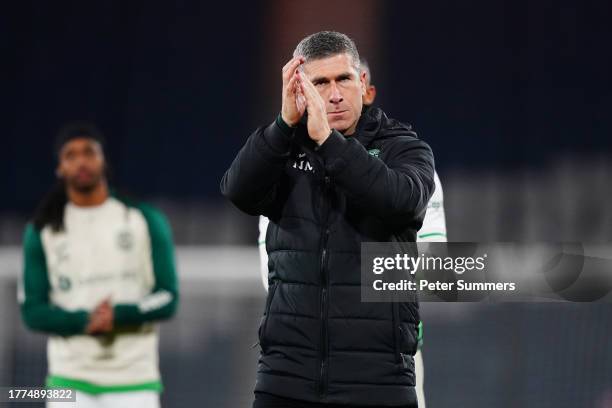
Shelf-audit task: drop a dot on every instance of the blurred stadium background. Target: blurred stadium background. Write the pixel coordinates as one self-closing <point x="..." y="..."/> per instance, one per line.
<point x="513" y="96"/>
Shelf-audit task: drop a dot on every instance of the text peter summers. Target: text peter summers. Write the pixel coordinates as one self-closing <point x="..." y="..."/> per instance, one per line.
<point x="411" y="264"/>
<point x="437" y="286"/>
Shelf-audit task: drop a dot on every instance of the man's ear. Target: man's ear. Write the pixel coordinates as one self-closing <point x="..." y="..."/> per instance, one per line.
<point x="372" y="92"/>
<point x="58" y="172"/>
<point x="362" y="79"/>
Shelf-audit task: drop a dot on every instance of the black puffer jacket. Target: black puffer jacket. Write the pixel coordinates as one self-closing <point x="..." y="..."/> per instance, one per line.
<point x="319" y="342"/>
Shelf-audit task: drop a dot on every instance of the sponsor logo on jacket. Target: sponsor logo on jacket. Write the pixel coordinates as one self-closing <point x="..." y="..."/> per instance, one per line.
<point x="302" y="163"/>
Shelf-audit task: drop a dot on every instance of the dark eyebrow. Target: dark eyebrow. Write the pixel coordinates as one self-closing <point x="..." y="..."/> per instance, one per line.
<point x="323" y="80"/>
<point x="319" y="80"/>
<point x="69" y="151"/>
<point x="345" y="75"/>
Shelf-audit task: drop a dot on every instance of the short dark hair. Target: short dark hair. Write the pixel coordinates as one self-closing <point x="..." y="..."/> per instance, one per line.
<point x="75" y="130"/>
<point x="327" y="44"/>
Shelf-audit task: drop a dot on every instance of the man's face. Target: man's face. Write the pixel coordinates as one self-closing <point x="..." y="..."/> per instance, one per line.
<point x="342" y="88"/>
<point x="81" y="164"/>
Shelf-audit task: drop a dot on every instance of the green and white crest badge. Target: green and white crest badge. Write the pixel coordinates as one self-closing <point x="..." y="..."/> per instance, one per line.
<point x="64" y="283"/>
<point x="374" y="152"/>
<point x="125" y="240"/>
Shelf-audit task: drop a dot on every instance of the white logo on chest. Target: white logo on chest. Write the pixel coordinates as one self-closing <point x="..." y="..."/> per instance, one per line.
<point x="302" y="163"/>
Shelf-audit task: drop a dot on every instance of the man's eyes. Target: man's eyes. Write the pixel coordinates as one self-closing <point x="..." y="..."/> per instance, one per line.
<point x="72" y="155"/>
<point x="339" y="80"/>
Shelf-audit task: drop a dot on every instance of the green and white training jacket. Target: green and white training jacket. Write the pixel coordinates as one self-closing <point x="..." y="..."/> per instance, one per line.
<point x="112" y="251"/>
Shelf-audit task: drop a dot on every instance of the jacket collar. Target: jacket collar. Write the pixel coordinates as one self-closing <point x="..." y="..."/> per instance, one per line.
<point x="373" y="124"/>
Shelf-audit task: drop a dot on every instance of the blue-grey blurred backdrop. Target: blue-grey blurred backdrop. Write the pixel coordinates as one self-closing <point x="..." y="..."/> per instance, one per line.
<point x="514" y="97"/>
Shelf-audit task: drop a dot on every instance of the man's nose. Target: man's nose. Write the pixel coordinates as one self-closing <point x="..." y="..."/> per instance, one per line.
<point x="335" y="96"/>
<point x="79" y="161"/>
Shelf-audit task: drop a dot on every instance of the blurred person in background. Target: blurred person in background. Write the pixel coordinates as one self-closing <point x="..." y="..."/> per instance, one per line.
<point x="434" y="223"/>
<point x="330" y="174"/>
<point x="99" y="272"/>
<point x="433" y="230"/>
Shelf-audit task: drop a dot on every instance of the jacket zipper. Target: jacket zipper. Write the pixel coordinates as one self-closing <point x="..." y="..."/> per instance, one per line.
<point x="324" y="294"/>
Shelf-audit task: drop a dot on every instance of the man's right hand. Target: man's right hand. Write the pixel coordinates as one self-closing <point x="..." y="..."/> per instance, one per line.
<point x="101" y="319"/>
<point x="293" y="101"/>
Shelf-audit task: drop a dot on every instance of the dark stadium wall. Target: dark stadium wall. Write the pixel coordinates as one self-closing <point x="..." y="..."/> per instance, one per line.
<point x="171" y="84"/>
<point x="503" y="84"/>
<point x="513" y="97"/>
